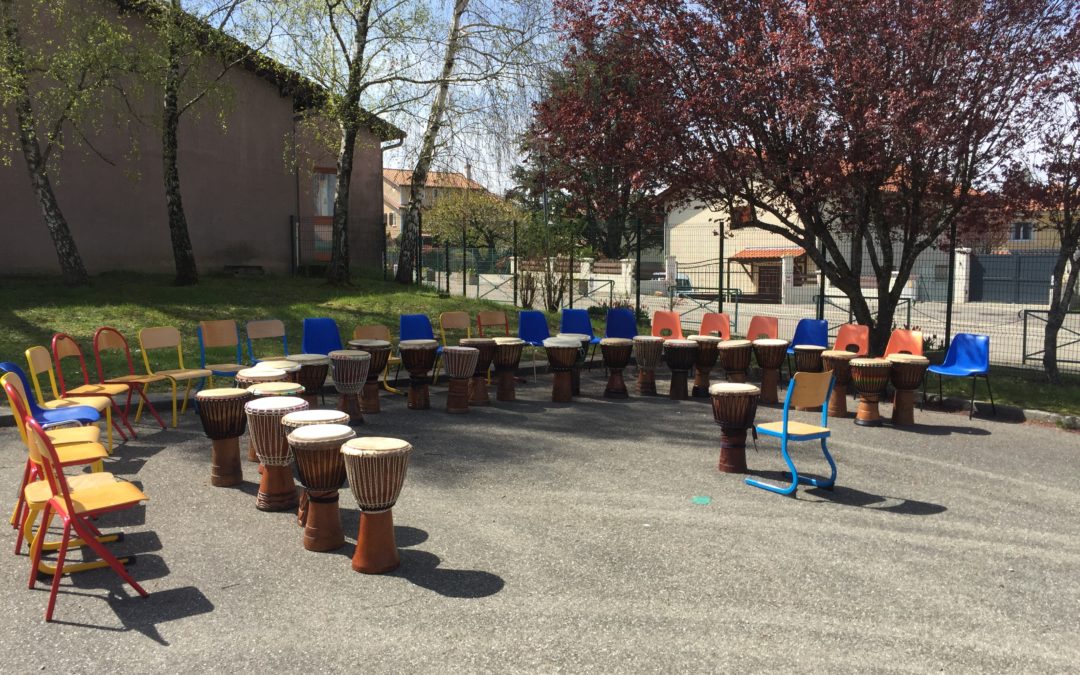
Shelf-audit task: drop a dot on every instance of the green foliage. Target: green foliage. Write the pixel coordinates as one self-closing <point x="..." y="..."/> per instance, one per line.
<point x="487" y="219"/>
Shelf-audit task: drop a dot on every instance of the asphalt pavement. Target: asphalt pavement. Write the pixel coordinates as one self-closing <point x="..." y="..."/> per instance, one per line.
<point x="595" y="536"/>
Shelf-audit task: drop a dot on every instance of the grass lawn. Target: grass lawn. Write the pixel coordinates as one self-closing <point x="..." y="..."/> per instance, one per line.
<point x="1019" y="387"/>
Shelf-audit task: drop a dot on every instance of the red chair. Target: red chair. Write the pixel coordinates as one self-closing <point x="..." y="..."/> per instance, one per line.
<point x="667" y="321"/>
<point x="853" y="337"/>
<point x="718" y="323"/>
<point x="110" y="339"/>
<point x="65" y="347"/>
<point x="763" y="327"/>
<point x="903" y="341"/>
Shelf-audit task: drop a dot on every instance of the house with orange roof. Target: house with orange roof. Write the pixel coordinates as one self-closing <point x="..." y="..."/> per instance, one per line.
<point x="395" y="187"/>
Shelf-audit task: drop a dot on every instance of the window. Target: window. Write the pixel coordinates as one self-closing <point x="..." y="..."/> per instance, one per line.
<point x="1022" y="231"/>
<point x="390" y="220"/>
<point x="941" y="272"/>
<point x="800" y="273"/>
<point x="324" y="188"/>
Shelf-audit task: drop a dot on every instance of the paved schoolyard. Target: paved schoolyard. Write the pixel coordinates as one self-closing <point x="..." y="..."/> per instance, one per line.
<point x="551" y="537"/>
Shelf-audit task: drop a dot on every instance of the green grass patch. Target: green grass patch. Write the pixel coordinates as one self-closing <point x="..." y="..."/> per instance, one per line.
<point x="1018" y="387"/>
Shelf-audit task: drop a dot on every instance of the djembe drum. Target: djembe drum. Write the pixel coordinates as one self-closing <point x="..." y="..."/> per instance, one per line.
<point x="349" y="368"/>
<point x="485" y="347"/>
<point x="249" y="376"/>
<point x="276" y="489"/>
<point x="313" y="371"/>
<point x="575" y="374"/>
<point x="506" y="360"/>
<point x="735" y="358"/>
<point x="770" y="354"/>
<point x="707" y="353"/>
<point x="679" y="356"/>
<point x="321" y="469"/>
<point x="562" y="354"/>
<point x="460" y="364"/>
<point x="276" y="389"/>
<point x="303" y="418"/>
<point x="380" y="355"/>
<point x="376" y="469"/>
<point x="222" y="414"/>
<point x="291" y="368"/>
<point x="870" y="377"/>
<point x="418" y="357"/>
<point x="906" y="375"/>
<point x="734" y="406"/>
<point x="647" y="352"/>
<point x="808" y="360"/>
<point x="616" y="353"/>
<point x="839" y="362"/>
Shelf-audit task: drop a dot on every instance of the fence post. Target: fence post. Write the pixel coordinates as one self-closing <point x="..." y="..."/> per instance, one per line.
<point x="720" y="270"/>
<point x="464" y="274"/>
<point x="516" y="263"/>
<point x="952" y="283"/>
<point x="637" y="276"/>
<point x="419" y="246"/>
<point x="571" y="275"/>
<point x="446" y="264"/>
<point x="821" y="292"/>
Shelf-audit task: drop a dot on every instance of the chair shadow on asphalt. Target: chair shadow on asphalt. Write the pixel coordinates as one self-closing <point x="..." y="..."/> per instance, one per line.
<point x="848" y="496"/>
<point x="941" y="430"/>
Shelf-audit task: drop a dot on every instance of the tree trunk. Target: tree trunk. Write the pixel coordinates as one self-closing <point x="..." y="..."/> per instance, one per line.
<point x="187" y="273"/>
<point x="71" y="265"/>
<point x="410" y="227"/>
<point x="1064" y="290"/>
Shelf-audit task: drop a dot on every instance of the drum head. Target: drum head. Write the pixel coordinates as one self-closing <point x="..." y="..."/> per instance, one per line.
<point x="354" y="354"/>
<point x="677" y="344"/>
<point x="477" y="342"/>
<point x="370" y="445"/>
<point x="617" y="342"/>
<point x="733" y="389"/>
<point x="648" y="338"/>
<point x="275" y="404"/>
<point x="418" y="344"/>
<point x="908" y="358"/>
<point x="809" y="348"/>
<point x="770" y="342"/>
<point x="321" y="433"/>
<point x="705" y="338"/>
<point x="374" y="344"/>
<point x="276" y="388"/>
<point x="261" y="374"/>
<point x="305" y="417"/>
<point x="508" y="341"/>
<point x="562" y="342"/>
<point x="735" y="344"/>
<point x="223" y="393"/>
<point x="309" y="359"/>
<point x="286" y="365"/>
<point x="580" y="337"/>
<point x="863" y="362"/>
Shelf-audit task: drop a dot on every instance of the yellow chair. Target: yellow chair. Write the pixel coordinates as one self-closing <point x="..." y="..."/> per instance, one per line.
<point x="376" y="331"/>
<point x="39" y="361"/>
<point x="216" y="335"/>
<point x="108" y="339"/>
<point x="452" y="321"/>
<point x="167" y="337"/>
<point x="266" y="329"/>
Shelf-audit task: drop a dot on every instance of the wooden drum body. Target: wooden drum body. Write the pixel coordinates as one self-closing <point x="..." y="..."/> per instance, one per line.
<point x="350" y="369"/>
<point x="647" y="352"/>
<point x="575" y="374"/>
<point x="222" y="414"/>
<point x="616" y="353"/>
<point x="735" y="358"/>
<point x="770" y="353"/>
<point x="708" y="352"/>
<point x="276" y="489"/>
<point x="485" y="348"/>
<point x="321" y="468"/>
<point x="679" y="356"/>
<point x="870" y="377"/>
<point x="506" y="360"/>
<point x="303" y="418"/>
<point x="376" y="470"/>
<point x="907" y="375"/>
<point x="418" y="357"/>
<point x="380" y="355"/>
<point x="460" y="364"/>
<point x="734" y="409"/>
<point x="839" y="362"/>
<point x="562" y="354"/>
<point x="313" y="371"/>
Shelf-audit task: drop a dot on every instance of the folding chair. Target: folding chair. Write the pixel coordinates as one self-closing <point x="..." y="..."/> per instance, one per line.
<point x="492" y="319"/>
<point x="378" y="331"/>
<point x="109" y="339"/>
<point x="266" y="329"/>
<point x="320" y="336"/>
<point x="804" y="390"/>
<point x="65" y="347"/>
<point x="670" y="322"/>
<point x="161" y="338"/>
<point x="968" y="356"/>
<point x="533" y="329"/>
<point x="220" y="334"/>
<point x="853" y="337"/>
<point x="716" y="322"/>
<point x="903" y="341"/>
<point x="76" y="509"/>
<point x="621" y="323"/>
<point x="40" y="361"/>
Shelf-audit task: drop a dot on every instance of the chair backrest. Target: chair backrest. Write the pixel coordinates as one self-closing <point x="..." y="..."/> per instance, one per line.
<point x="969" y="350"/>
<point x="853" y="337"/>
<point x="64" y="348"/>
<point x="108" y="339"/>
<point x="217" y="334"/>
<point x="160" y="337"/>
<point x="533" y="326"/>
<point x="903" y="341"/>
<point x="621" y="323"/>
<point x="43" y="453"/>
<point x="40" y="361"/>
<point x="716" y="322"/>
<point x="454" y="321"/>
<point x="576" y="321"/>
<point x="16" y="401"/>
<point x="492" y="319"/>
<point x="415" y="327"/>
<point x="809" y="390"/>
<point x="811" y="332"/>
<point x="20" y="385"/>
<point x="372" y="331"/>
<point x="265" y="329"/>
<point x="763" y="328"/>
<point x="667" y="325"/>
<point x="320" y="336"/>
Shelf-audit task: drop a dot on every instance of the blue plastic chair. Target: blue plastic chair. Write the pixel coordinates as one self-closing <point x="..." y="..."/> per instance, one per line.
<point x="810" y="332"/>
<point x="578" y="321"/>
<point x="804" y="390"/>
<point x="533" y="329"/>
<point x="968" y="356"/>
<point x="47" y="417"/>
<point x="621" y="323"/>
<point x="320" y="336"/>
<point x="418" y="327"/>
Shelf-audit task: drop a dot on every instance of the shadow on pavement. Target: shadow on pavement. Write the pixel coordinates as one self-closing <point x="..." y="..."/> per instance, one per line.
<point x="422" y="568"/>
<point x="847" y="496"/>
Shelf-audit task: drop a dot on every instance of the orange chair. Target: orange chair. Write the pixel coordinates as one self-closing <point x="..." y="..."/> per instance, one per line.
<point x="903" y="341"/>
<point x="377" y="331"/>
<point x="718" y="323"/>
<point x="667" y="321"/>
<point x="492" y="319"/>
<point x="763" y="327"/>
<point x="853" y="337"/>
<point x="110" y="340"/>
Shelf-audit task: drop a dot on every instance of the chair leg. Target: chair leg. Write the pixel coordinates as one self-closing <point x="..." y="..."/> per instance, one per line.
<point x="19" y="498"/>
<point x="991" y="392"/>
<point x="59" y="571"/>
<point x="114" y="563"/>
<point x="151" y="408"/>
<point x="971" y="410"/>
<point x="138" y="410"/>
<point x="35" y="548"/>
<point x="123" y="416"/>
<point x="790" y="489"/>
<point x="940" y="393"/>
<point x="187" y="393"/>
<point x="831" y="480"/>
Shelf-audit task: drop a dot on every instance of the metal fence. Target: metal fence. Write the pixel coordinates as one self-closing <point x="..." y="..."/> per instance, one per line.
<point x="1002" y="293"/>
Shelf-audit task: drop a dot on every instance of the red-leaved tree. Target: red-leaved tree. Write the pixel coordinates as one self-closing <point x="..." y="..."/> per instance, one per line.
<point x="864" y="127"/>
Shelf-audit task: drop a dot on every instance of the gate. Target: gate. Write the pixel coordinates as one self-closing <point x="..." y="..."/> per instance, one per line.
<point x="1013" y="278"/>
